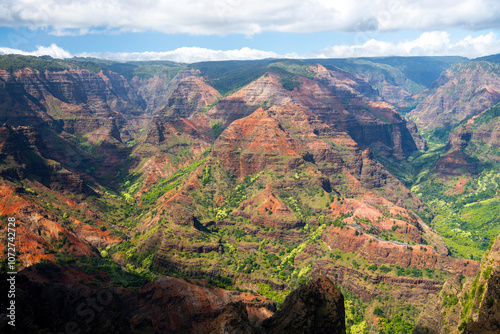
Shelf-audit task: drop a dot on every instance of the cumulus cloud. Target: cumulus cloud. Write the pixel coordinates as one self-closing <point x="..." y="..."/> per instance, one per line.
<point x="435" y="43"/>
<point x="249" y="17"/>
<point x="181" y="55"/>
<point x="53" y="50"/>
<point x="189" y="55"/>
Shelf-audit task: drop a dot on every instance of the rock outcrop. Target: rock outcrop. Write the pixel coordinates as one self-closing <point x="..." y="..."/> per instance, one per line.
<point x="26" y="156"/>
<point x="40" y="233"/>
<point x="317" y="307"/>
<point x="467" y="306"/>
<point x="233" y="319"/>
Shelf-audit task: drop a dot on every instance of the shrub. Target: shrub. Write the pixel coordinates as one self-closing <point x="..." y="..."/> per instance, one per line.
<point x="487" y="272"/>
<point x="378" y="312"/>
<point x="384" y="269"/>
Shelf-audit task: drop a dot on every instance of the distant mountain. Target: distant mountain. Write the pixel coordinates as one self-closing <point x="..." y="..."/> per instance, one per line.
<point x="491" y="58"/>
<point x="462" y="91"/>
<point x="397" y="79"/>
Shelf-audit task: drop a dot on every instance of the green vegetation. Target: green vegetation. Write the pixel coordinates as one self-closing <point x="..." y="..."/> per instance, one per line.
<point x="289" y="83"/>
<point x="485" y="118"/>
<point x="411" y="271"/>
<point x="449" y="300"/>
<point x="278" y="297"/>
<point x="12" y="63"/>
<point x="229" y="76"/>
<point x="291" y="67"/>
<point x="465" y="207"/>
<point x="103" y="268"/>
<point x="170" y="183"/>
<point x="469" y="220"/>
<point x="166" y="70"/>
<point x="395" y="325"/>
<point x="217" y="129"/>
<point x="354" y="312"/>
<point x="48" y="269"/>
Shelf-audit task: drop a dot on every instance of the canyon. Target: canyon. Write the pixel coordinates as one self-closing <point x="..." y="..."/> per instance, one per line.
<point x="214" y="192"/>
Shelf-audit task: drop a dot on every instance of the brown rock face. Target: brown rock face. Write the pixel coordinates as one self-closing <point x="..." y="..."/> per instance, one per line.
<point x="416" y="290"/>
<point x="368" y="119"/>
<point x="64" y="95"/>
<point x="255" y="143"/>
<point x="338" y="99"/>
<point x="462" y="91"/>
<point x="101" y="110"/>
<point x="267" y="210"/>
<point x="487" y="318"/>
<point x="156" y="91"/>
<point x="419" y="141"/>
<point x="477" y="309"/>
<point x="38" y="229"/>
<point x="472" y="145"/>
<point x="190" y="96"/>
<point x="167" y="305"/>
<point x="25" y="155"/>
<point x="387" y="252"/>
<point x="177" y="133"/>
<point x="232" y="320"/>
<point x="176" y="306"/>
<point x="315" y="308"/>
<point x="264" y="91"/>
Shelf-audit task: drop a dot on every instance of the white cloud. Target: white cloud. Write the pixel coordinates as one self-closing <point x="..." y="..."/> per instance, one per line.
<point x="189" y="55"/>
<point x="182" y="55"/>
<point x="249" y="17"/>
<point x="53" y="50"/>
<point x="435" y="43"/>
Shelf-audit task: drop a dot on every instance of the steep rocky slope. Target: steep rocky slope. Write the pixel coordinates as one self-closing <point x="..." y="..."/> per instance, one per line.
<point x="337" y="98"/>
<point x="155" y="88"/>
<point x="462" y="91"/>
<point x="467" y="306"/>
<point x="478" y="137"/>
<point x="315" y="308"/>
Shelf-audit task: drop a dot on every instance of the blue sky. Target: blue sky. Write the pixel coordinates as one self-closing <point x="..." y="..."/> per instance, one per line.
<point x="194" y="30"/>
